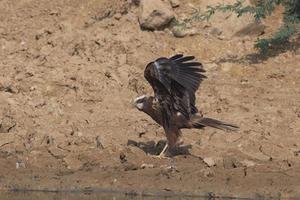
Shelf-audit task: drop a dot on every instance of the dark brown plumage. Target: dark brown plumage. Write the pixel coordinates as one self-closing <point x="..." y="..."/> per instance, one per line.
<point x="175" y="81"/>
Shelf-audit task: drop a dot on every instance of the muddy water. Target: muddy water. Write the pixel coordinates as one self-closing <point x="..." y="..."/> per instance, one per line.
<point x="82" y="196"/>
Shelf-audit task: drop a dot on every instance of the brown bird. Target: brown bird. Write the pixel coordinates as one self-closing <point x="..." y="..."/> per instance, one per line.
<point x="175" y="81"/>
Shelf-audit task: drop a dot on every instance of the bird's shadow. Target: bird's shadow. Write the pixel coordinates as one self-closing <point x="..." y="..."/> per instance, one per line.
<point x="153" y="148"/>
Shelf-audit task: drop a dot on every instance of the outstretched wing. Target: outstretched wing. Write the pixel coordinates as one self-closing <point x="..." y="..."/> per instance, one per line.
<point x="179" y="77"/>
<point x="186" y="72"/>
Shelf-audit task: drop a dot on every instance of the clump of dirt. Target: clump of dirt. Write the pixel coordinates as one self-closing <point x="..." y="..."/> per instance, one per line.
<point x="69" y="73"/>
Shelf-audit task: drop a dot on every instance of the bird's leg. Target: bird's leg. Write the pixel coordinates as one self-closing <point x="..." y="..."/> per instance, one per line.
<point x="162" y="153"/>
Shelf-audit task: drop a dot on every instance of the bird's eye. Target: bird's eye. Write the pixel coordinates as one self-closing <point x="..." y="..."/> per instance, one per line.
<point x="140" y="100"/>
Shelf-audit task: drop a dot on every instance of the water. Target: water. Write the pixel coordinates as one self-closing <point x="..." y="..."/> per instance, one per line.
<point x="82" y="196"/>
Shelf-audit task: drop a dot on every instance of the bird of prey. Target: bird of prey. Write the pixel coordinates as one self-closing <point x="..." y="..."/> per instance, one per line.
<point x="175" y="81"/>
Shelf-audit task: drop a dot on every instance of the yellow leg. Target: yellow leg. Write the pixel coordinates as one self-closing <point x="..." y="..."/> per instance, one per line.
<point x="162" y="153"/>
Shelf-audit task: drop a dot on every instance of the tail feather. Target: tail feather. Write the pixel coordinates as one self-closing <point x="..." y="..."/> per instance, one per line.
<point x="201" y="122"/>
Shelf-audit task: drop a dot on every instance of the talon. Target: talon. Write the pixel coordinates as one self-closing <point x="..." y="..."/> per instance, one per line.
<point x="162" y="153"/>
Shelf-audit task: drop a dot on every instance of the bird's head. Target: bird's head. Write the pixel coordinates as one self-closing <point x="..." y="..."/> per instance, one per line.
<point x="143" y="102"/>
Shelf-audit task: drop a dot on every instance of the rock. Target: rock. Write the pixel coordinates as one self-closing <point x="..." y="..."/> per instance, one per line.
<point x="171" y="168"/>
<point x="155" y="14"/>
<point x="210" y="162"/>
<point x="215" y="31"/>
<point x="174" y="3"/>
<point x="221" y="37"/>
<point x="118" y="16"/>
<point x="20" y="164"/>
<point x="144" y="166"/>
<point x="180" y="32"/>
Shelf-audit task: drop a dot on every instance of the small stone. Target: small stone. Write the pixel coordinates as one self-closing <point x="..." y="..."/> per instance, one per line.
<point x="174" y="3"/>
<point x="221" y="37"/>
<point x="210" y="162"/>
<point x="20" y="164"/>
<point x="215" y="31"/>
<point x="32" y="88"/>
<point x="171" y="168"/>
<point x="118" y="16"/>
<point x="144" y="166"/>
<point x="108" y="74"/>
<point x="180" y="32"/>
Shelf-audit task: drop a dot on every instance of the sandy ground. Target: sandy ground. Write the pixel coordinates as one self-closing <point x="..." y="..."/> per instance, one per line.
<point x="70" y="70"/>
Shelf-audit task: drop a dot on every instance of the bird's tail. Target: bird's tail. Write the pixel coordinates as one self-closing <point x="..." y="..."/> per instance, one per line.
<point x="200" y="122"/>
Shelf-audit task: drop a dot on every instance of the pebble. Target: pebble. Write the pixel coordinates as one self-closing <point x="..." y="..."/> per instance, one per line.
<point x="144" y="166"/>
<point x="175" y="3"/>
<point x="118" y="16"/>
<point x="210" y="162"/>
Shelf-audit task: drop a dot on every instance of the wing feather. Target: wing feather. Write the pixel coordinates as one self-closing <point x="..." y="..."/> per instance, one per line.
<point x="175" y="81"/>
<point x="177" y="56"/>
<point x="184" y="59"/>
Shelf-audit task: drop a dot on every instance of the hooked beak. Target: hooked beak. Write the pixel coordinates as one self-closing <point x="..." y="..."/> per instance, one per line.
<point x="137" y="102"/>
